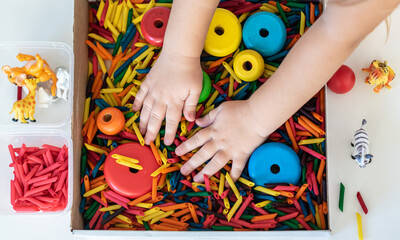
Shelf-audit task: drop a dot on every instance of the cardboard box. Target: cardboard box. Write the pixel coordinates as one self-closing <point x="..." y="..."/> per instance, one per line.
<point x="81" y="16"/>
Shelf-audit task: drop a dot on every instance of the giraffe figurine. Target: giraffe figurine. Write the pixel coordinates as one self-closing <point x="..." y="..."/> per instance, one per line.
<point x="24" y="109"/>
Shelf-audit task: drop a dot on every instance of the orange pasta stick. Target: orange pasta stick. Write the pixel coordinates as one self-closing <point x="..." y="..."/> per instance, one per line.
<point x="219" y="61"/>
<point x="180" y="228"/>
<point x="131" y="54"/>
<point x="186" y="217"/>
<point x="264" y="217"/>
<point x="294" y="40"/>
<point x="114" y="63"/>
<point x="227" y="168"/>
<point x="322" y="99"/>
<point x="96" y="81"/>
<point x="96" y="49"/>
<point x="222" y="82"/>
<point x="306" y="126"/>
<point x="193" y="212"/>
<point x="291" y="136"/>
<point x="105" y="52"/>
<point x="308" y="218"/>
<point x="317" y="116"/>
<point x="103" y="197"/>
<point x="94" y="185"/>
<point x="325" y="207"/>
<point x="141" y="76"/>
<point x="173" y="222"/>
<point x="136" y="1"/>
<point x="125" y="91"/>
<point x="286" y="194"/>
<point x="163" y="228"/>
<point x="175" y="207"/>
<point x="87" y="185"/>
<point x="156" y="154"/>
<point x="321" y="217"/>
<point x="181" y="212"/>
<point x="162" y="180"/>
<point x="90" y="137"/>
<point x="139" y="199"/>
<point x="122" y="229"/>
<point x="303" y="134"/>
<point x="159" y="198"/>
<point x="91" y="165"/>
<point x="312" y="13"/>
<point x="301" y="190"/>
<point x="90" y="130"/>
<point x="101" y="178"/>
<point x="320" y="170"/>
<point x="117" y="98"/>
<point x="154" y="189"/>
<point x="242" y="229"/>
<point x="170" y="169"/>
<point x="86" y="127"/>
<point x="284" y="8"/>
<point x="311" y="124"/>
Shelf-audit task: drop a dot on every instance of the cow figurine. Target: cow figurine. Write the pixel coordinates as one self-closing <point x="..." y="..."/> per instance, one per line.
<point x="361" y="149"/>
<point x="380" y="74"/>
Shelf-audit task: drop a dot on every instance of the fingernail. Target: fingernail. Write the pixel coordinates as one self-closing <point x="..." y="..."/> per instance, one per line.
<point x="178" y="151"/>
<point x="167" y="142"/>
<point x="184" y="170"/>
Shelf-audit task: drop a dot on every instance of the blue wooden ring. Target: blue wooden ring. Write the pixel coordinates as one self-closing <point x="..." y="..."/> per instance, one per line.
<point x="265" y="33"/>
<point x="274" y="163"/>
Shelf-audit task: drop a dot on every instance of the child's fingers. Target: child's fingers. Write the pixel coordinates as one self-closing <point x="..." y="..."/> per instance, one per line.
<point x="139" y="98"/>
<point x="199" y="139"/>
<point x="156" y="118"/>
<point x="145" y="113"/>
<point x="172" y="121"/>
<point x="238" y="165"/>
<point x="189" y="109"/>
<point x="217" y="162"/>
<point x="208" y="119"/>
<point x="205" y="153"/>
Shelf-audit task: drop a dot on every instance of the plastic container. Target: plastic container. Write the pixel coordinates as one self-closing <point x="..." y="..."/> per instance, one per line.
<point x="56" y="54"/>
<point x="31" y="139"/>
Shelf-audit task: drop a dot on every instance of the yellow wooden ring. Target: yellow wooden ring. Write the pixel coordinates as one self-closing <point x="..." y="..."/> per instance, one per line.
<point x="248" y="65"/>
<point x="224" y="35"/>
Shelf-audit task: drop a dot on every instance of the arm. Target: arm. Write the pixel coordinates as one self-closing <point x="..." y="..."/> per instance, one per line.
<point x="319" y="52"/>
<point x="174" y="83"/>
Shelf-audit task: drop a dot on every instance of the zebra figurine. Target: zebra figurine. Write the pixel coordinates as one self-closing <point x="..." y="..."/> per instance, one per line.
<point x="361" y="149"/>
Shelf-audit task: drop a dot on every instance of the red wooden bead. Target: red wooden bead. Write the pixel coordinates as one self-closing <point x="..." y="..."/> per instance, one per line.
<point x="154" y="24"/>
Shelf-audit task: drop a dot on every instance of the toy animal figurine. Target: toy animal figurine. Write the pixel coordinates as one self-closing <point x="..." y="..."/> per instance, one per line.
<point x="361" y="148"/>
<point x="380" y="74"/>
<point x="62" y="83"/>
<point x="36" y="67"/>
<point x="24" y="109"/>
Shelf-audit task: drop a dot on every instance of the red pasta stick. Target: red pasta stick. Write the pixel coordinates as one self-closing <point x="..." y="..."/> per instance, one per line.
<point x="61" y="181"/>
<point x="362" y="203"/>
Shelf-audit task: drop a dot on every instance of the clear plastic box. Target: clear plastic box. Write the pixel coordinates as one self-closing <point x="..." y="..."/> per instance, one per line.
<point x="31" y="139"/>
<point x="57" y="55"/>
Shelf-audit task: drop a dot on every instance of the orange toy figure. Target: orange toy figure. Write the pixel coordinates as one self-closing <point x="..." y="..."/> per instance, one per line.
<point x="380" y="74"/>
<point x="36" y="67"/>
<point x="25" y="108"/>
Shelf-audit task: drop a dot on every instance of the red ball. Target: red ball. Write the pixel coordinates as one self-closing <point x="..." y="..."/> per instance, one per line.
<point x="342" y="81"/>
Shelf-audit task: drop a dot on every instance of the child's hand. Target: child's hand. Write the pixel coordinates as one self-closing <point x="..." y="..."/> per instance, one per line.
<point x="232" y="133"/>
<point x="173" y="84"/>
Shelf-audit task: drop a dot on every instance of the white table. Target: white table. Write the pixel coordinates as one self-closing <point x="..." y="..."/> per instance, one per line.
<point x="45" y="20"/>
